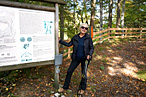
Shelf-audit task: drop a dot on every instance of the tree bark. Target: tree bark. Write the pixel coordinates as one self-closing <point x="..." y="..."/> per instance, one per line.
<point x="118" y="14"/>
<point x="74" y="18"/>
<point x="110" y="13"/>
<point x="85" y="12"/>
<point x="101" y="13"/>
<point x="82" y="16"/>
<point x="92" y="12"/>
<point x="122" y="17"/>
<point x="61" y="8"/>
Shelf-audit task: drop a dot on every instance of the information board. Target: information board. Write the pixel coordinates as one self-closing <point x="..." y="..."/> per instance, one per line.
<point x="26" y="36"/>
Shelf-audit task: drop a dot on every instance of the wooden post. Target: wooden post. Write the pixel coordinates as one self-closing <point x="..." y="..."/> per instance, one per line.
<point x="56" y="73"/>
<point x="126" y="32"/>
<point x="91" y="31"/>
<point x="141" y="32"/>
<point x="109" y="33"/>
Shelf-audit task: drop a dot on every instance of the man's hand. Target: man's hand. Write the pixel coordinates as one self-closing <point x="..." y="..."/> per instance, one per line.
<point x="58" y="39"/>
<point x="88" y="57"/>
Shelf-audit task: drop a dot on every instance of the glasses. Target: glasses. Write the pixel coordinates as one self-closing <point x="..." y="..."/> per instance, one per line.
<point x="84" y="28"/>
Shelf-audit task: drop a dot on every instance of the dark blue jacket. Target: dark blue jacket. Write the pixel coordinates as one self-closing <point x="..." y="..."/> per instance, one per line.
<point x="88" y="45"/>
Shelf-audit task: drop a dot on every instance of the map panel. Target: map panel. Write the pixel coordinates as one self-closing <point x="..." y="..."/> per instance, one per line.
<point x="26" y="36"/>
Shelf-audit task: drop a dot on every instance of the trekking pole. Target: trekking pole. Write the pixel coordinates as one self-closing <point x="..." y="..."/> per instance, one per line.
<point x="84" y="75"/>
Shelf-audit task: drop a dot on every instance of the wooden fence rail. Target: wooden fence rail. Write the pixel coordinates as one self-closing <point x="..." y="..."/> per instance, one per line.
<point x="109" y="33"/>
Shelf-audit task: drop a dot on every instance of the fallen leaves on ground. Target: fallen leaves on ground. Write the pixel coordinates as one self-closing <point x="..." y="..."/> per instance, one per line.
<point x="112" y="72"/>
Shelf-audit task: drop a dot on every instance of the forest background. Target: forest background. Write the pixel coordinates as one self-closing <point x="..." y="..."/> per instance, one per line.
<point x="101" y="14"/>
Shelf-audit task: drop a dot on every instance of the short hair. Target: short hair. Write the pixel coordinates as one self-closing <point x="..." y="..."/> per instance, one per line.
<point x="83" y="24"/>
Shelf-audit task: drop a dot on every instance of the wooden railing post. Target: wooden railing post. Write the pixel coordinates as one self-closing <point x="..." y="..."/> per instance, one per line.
<point x="126" y="32"/>
<point x="141" y="32"/>
<point x="109" y="31"/>
<point x="68" y="53"/>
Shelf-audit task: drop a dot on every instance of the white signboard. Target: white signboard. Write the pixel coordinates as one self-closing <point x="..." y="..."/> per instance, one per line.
<point x="26" y="36"/>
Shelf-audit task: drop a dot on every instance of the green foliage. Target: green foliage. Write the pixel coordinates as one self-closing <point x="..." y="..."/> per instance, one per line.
<point x="35" y="2"/>
<point x="135" y="13"/>
<point x="104" y="56"/>
<point x="79" y="11"/>
<point x="9" y="76"/>
<point x="93" y="89"/>
<point x="102" y="67"/>
<point x="119" y="48"/>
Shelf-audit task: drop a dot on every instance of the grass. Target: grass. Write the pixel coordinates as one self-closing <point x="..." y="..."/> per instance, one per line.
<point x="142" y="75"/>
<point x="102" y="67"/>
<point x="118" y="48"/>
<point x="104" y="56"/>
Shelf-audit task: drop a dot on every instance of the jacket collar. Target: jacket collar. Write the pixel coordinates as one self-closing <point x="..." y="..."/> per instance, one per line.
<point x="77" y="38"/>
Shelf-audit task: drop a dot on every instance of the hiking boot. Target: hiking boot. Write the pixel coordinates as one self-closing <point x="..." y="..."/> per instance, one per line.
<point x="81" y="92"/>
<point x="60" y="90"/>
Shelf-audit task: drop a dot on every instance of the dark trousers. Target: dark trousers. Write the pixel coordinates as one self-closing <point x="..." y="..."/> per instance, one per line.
<point x="72" y="67"/>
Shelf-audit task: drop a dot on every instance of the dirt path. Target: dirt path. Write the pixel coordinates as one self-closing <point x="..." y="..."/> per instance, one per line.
<point x="112" y="73"/>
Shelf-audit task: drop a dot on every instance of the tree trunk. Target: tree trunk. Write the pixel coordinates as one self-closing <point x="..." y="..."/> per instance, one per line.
<point x="92" y="12"/>
<point x="110" y="13"/>
<point x="82" y="16"/>
<point x="61" y="8"/>
<point x="101" y="13"/>
<point x="74" y="21"/>
<point x="122" y="17"/>
<point x="118" y="14"/>
<point x="86" y="17"/>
